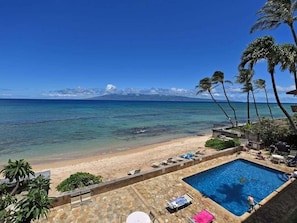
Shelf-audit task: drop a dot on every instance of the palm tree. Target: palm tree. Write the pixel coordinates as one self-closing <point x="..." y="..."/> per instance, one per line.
<point x="218" y="77"/>
<point x="17" y="170"/>
<point x="206" y="85"/>
<point x="34" y="205"/>
<point x="6" y="198"/>
<point x="274" y="13"/>
<point x="245" y="77"/>
<point x="265" y="48"/>
<point x="288" y="59"/>
<point x="261" y="84"/>
<point x="251" y="88"/>
<point x="40" y="183"/>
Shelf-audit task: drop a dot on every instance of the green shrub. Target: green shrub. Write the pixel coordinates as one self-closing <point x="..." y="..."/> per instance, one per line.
<point x="78" y="180"/>
<point x="220" y="144"/>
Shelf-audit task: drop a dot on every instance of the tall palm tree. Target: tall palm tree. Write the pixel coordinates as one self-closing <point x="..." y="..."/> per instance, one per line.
<point x="288" y="59"/>
<point x="244" y="77"/>
<point x="261" y="84"/>
<point x="218" y="77"/>
<point x="265" y="48"/>
<point x="17" y="170"/>
<point x="206" y="85"/>
<point x="274" y="13"/>
<point x="251" y="88"/>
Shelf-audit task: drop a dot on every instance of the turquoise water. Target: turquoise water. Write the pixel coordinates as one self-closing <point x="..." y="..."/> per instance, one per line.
<point x="46" y="130"/>
<point x="230" y="184"/>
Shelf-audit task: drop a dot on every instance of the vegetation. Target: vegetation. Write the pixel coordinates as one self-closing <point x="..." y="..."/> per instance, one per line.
<point x="218" y="77"/>
<point x="261" y="84"/>
<point x="220" y="144"/>
<point x="273" y="14"/>
<point x="265" y="49"/>
<point x="78" y="180"/>
<point x="206" y="85"/>
<point x="271" y="131"/>
<point x="17" y="170"/>
<point x="32" y="203"/>
<point x="244" y="77"/>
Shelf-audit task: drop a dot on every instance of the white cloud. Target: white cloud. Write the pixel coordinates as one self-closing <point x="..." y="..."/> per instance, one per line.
<point x="285" y="89"/>
<point x="233" y="93"/>
<point x="78" y="92"/>
<point x="110" y="89"/>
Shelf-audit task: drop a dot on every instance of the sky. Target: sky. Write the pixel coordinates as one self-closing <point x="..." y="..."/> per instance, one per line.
<point x="80" y="49"/>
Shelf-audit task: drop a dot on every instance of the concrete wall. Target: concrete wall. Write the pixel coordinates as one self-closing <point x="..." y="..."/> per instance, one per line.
<point x="221" y="131"/>
<point x="65" y="198"/>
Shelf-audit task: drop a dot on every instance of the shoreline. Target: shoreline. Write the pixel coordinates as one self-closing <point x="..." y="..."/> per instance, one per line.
<point x="117" y="164"/>
<point x="45" y="160"/>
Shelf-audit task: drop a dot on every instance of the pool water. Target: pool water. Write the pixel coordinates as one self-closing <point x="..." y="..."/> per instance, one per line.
<point x="230" y="184"/>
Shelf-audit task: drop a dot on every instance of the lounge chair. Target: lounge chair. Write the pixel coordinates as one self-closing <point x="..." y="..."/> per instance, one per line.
<point x="188" y="155"/>
<point x="291" y="161"/>
<point x="178" y="159"/>
<point x="203" y="216"/>
<point x="200" y="152"/>
<point x="133" y="172"/>
<point x="155" y="165"/>
<point x="170" y="160"/>
<point x="292" y="154"/>
<point x="165" y="162"/>
<point x="179" y="202"/>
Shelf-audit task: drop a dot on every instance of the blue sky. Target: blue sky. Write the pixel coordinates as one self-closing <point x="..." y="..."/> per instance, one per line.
<point x="81" y="49"/>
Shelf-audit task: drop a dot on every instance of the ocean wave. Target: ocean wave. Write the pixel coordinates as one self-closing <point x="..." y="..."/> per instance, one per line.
<point x="32" y="122"/>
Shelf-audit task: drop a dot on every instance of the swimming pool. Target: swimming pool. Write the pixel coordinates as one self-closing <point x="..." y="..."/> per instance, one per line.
<point x="230" y="184"/>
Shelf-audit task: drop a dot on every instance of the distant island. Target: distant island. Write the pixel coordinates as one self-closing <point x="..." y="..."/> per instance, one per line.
<point x="145" y="97"/>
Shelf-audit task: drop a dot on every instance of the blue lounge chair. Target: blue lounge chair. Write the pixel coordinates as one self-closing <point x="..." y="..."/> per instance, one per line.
<point x="179" y="202"/>
<point x="188" y="155"/>
<point x="292" y="162"/>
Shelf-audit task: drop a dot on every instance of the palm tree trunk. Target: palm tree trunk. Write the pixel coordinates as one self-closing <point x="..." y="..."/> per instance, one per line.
<point x="248" y="107"/>
<point x="295" y="40"/>
<point x="295" y="78"/>
<point x="256" y="108"/>
<point x="267" y="102"/>
<point x="279" y="103"/>
<point x="233" y="109"/>
<point x="15" y="188"/>
<point x="223" y="110"/>
<point x="293" y="33"/>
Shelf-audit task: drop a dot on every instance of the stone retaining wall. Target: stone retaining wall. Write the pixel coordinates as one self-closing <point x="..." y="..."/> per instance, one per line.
<point x="65" y="198"/>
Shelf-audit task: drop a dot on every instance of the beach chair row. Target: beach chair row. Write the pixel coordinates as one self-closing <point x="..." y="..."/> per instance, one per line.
<point x="183" y="157"/>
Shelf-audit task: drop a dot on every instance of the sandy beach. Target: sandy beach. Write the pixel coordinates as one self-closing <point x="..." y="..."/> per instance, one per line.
<point x="116" y="165"/>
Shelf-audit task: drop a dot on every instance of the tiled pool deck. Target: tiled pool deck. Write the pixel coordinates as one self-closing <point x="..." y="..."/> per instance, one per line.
<point x="151" y="196"/>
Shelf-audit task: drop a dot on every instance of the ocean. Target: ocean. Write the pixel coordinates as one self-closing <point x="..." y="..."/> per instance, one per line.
<point x="41" y="131"/>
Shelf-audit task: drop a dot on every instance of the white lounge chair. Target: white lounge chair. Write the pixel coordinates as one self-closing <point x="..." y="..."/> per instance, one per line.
<point x="133" y="172"/>
<point x="180" y="201"/>
<point x="165" y="162"/>
<point x="155" y="165"/>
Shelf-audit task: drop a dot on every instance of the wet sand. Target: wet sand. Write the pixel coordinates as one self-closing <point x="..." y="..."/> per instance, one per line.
<point x="116" y="165"/>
